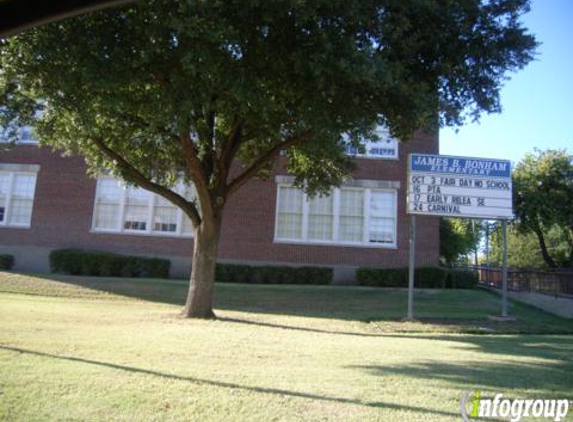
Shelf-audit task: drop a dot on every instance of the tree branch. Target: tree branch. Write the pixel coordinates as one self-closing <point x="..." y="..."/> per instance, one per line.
<point x="137" y="177"/>
<point x="198" y="175"/>
<point x="231" y="146"/>
<point x="543" y="247"/>
<point x="264" y="159"/>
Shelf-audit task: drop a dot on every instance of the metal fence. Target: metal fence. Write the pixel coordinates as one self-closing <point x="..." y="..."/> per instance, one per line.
<point x="557" y="283"/>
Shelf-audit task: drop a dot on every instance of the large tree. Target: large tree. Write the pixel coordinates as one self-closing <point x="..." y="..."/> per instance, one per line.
<point x="523" y="249"/>
<point x="543" y="203"/>
<point x="213" y="91"/>
<point x="458" y="237"/>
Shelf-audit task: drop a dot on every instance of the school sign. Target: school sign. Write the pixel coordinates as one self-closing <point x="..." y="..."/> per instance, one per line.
<point x="464" y="187"/>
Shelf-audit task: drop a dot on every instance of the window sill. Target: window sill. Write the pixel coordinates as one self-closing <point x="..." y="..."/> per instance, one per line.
<point x="17" y="143"/>
<point x="142" y="234"/>
<point x="18" y="227"/>
<point x="337" y="244"/>
<point x="371" y="157"/>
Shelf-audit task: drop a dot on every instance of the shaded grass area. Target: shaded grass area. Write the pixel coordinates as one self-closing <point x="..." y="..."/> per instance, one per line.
<point x="78" y="349"/>
<point x="437" y="310"/>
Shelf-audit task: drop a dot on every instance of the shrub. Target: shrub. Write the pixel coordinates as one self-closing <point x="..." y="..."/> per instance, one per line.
<point x="430" y="277"/>
<point x="425" y="277"/>
<point x="272" y="274"/>
<point x="314" y="275"/>
<point x="461" y="279"/>
<point x="66" y="260"/>
<point x="6" y="262"/>
<point x="382" y="277"/>
<point x="97" y="263"/>
<point x="156" y="268"/>
<point x="233" y="273"/>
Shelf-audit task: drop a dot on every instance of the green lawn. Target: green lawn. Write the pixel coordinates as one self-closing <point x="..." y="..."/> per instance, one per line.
<point x="86" y="349"/>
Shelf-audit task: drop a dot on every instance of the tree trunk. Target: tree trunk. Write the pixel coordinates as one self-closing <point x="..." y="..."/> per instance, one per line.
<point x="570" y="242"/>
<point x="199" y="302"/>
<point x="543" y="246"/>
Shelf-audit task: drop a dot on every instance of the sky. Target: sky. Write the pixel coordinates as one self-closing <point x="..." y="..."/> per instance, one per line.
<point x="537" y="103"/>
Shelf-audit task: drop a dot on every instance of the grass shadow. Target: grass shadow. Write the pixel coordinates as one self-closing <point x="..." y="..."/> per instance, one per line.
<point x="492" y="376"/>
<point x="230" y="385"/>
<point x="557" y="348"/>
<point x="453" y="311"/>
<point x="297" y="328"/>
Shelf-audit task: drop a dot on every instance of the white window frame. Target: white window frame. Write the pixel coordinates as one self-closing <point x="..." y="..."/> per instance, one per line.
<point x="304" y="217"/>
<point x="384" y="135"/>
<point x="336" y="220"/>
<point x="178" y="233"/>
<point x="29" y="141"/>
<point x="12" y="170"/>
<point x="20" y="141"/>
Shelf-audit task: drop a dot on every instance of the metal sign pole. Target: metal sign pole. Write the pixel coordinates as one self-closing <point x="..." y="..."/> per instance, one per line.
<point x="487" y="243"/>
<point x="411" y="268"/>
<point x="504" y="270"/>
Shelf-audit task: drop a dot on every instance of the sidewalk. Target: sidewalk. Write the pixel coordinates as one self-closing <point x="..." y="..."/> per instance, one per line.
<point x="560" y="306"/>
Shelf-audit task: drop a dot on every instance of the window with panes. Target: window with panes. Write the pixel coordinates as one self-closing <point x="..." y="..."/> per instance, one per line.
<point x="348" y="216"/>
<point x="132" y="210"/>
<point x="16" y="198"/>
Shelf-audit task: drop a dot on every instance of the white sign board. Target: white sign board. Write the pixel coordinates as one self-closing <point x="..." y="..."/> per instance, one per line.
<point x="459" y="186"/>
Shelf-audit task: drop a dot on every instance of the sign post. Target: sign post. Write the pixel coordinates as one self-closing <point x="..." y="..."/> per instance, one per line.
<point x="411" y="268"/>
<point x="463" y="187"/>
<point x="504" y="313"/>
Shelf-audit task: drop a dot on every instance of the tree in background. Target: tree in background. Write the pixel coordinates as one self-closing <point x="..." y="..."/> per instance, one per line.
<point x="458" y="238"/>
<point x="543" y="203"/>
<point x="212" y="92"/>
<point x="523" y="248"/>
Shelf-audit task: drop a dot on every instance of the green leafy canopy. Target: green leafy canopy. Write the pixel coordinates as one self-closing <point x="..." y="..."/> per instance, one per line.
<point x="543" y="203"/>
<point x="163" y="89"/>
<point x="458" y="237"/>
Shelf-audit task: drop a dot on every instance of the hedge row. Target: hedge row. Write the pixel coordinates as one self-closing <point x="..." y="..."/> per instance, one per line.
<point x="462" y="279"/>
<point x="95" y="263"/>
<point x="107" y="264"/>
<point x="235" y="273"/>
<point x="6" y="262"/>
<point x="425" y="277"/>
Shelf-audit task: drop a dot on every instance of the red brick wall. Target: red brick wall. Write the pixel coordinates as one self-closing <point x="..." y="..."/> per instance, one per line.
<point x="63" y="208"/>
